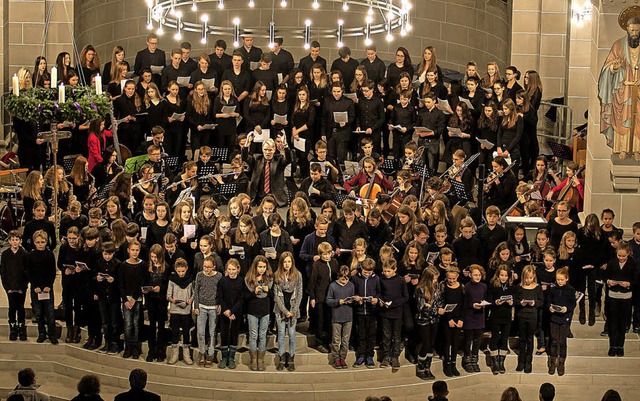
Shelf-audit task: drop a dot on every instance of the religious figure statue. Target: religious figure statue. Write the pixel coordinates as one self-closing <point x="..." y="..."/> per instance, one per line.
<point x="618" y="89"/>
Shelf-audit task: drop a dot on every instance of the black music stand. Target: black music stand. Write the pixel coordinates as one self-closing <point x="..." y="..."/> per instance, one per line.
<point x="172" y="162"/>
<point x="103" y="192"/>
<point x="220" y="155"/>
<point x="68" y="162"/>
<point x="203" y="180"/>
<point x="340" y="198"/>
<point x="389" y="166"/>
<point x="459" y="192"/>
<point x="225" y="191"/>
<point x="561" y="151"/>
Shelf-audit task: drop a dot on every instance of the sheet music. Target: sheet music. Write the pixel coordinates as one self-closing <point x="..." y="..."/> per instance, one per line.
<point x="209" y="83"/>
<point x="228" y="109"/>
<point x="486" y="143"/>
<point x="456" y="132"/>
<point x="254" y="65"/>
<point x="157" y="69"/>
<point x="299" y="144"/>
<point x="190" y="230"/>
<point x="209" y="126"/>
<point x="444" y="106"/>
<point x="176" y="116"/>
<point x="466" y="101"/>
<point x="269" y="95"/>
<point x="280" y="119"/>
<point x="183" y="81"/>
<point x="260" y="137"/>
<point x="341" y="117"/>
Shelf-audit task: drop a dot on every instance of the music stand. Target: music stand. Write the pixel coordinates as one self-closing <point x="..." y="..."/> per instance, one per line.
<point x="184" y="194"/>
<point x="340" y="198"/>
<point x="103" y="192"/>
<point x="460" y="192"/>
<point x="225" y="191"/>
<point x="204" y="177"/>
<point x="68" y="162"/>
<point x="561" y="151"/>
<point x="133" y="164"/>
<point x="220" y="155"/>
<point x="389" y="166"/>
<point x="172" y="162"/>
<point x="351" y="168"/>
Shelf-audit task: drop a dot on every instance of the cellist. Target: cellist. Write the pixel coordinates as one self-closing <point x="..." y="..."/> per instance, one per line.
<point x="369" y="173"/>
<point x="575" y="195"/>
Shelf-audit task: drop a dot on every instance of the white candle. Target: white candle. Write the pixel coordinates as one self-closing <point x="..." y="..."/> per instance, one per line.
<point x="54" y="77"/>
<point x="98" y="80"/>
<point x="61" y="94"/>
<point x="16" y="85"/>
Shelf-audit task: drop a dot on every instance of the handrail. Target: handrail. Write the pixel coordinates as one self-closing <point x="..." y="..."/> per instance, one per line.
<point x="561" y="127"/>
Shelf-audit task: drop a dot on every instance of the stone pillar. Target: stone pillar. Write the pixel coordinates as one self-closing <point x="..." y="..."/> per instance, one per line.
<point x="599" y="191"/>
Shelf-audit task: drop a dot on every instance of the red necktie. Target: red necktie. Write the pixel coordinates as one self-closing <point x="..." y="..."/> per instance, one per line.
<point x="267" y="177"/>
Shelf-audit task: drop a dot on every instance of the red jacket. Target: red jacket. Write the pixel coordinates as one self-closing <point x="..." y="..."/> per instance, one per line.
<point x="96" y="148"/>
<point x="361" y="178"/>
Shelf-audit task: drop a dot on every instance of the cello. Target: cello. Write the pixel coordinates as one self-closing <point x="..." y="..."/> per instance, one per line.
<point x="369" y="191"/>
<point x="569" y="193"/>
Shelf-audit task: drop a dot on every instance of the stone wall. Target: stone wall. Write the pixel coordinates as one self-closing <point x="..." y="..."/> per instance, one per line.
<point x="461" y="30"/>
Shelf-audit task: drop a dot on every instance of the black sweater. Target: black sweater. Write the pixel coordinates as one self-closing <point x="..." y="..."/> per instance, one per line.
<point x="108" y="292"/>
<point x="393" y="290"/>
<point x="501" y="314"/>
<point x="13" y="271"/>
<point x="620" y="273"/>
<point x="528" y="312"/>
<point x="34" y="225"/>
<point x="229" y="295"/>
<point x="41" y="268"/>
<point x="321" y="277"/>
<point x="131" y="278"/>
<point x="562" y="296"/>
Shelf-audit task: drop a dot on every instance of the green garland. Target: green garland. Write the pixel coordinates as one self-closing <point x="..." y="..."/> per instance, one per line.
<point x="40" y="105"/>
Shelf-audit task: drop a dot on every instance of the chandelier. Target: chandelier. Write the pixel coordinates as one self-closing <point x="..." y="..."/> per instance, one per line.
<point x="180" y="16"/>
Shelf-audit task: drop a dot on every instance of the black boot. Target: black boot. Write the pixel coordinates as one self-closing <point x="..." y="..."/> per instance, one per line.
<point x="70" y="334"/>
<point x="528" y="363"/>
<point x="128" y="350"/>
<point x="13" y="331"/>
<point x="501" y="359"/>
<point x="427" y="367"/>
<point x="521" y="358"/>
<point x="582" y="316"/>
<point x="561" y="366"/>
<point x="454" y="370"/>
<point x="467" y="364"/>
<point x="421" y="370"/>
<point x="552" y="363"/>
<point x="151" y="355"/>
<point x="474" y="363"/>
<point x="446" y="367"/>
<point x="22" y="331"/>
<point x="592" y="316"/>
<point x="495" y="363"/>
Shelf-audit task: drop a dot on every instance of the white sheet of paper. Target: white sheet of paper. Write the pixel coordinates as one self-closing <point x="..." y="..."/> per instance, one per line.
<point x="209" y="83"/>
<point x="122" y="83"/>
<point x="280" y="78"/>
<point x="422" y="129"/>
<point x="143" y="232"/>
<point x="351" y="96"/>
<point x="486" y="143"/>
<point x="341" y="116"/>
<point x="444" y="106"/>
<point x="450" y="307"/>
<point x="83" y="266"/>
<point x="263" y="136"/>
<point x="431" y="256"/>
<point x="176" y="116"/>
<point x="190" y="230"/>
<point x="299" y="144"/>
<point x="157" y="69"/>
<point x="280" y="119"/>
<point x="236" y="250"/>
<point x="228" y="109"/>
<point x="455" y="131"/>
<point x="269" y="250"/>
<point x="44" y="296"/>
<point x="254" y="65"/>
<point x="466" y="101"/>
<point x="269" y="94"/>
<point x="485" y="303"/>
<point x="209" y="126"/>
<point x="183" y="81"/>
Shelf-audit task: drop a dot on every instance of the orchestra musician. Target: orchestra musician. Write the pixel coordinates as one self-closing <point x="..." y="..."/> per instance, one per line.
<point x="365" y="175"/>
<point x="318" y="187"/>
<point x="83" y="183"/>
<point x="63" y="188"/>
<point x="188" y="179"/>
<point x="146" y="185"/>
<point x="405" y="186"/>
<point x="500" y="188"/>
<point x="107" y="169"/>
<point x="159" y="164"/>
<point x="543" y="177"/>
<point x="462" y="175"/>
<point x="574" y="197"/>
<point x="237" y="176"/>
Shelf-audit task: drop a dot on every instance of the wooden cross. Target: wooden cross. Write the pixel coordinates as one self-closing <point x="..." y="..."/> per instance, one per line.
<point x="53" y="136"/>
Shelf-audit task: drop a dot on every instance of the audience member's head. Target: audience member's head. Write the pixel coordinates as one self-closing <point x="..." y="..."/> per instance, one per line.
<point x="510" y="394"/>
<point x="611" y="395"/>
<point x="89" y="385"/>
<point x="26" y="377"/>
<point x="440" y="389"/>
<point x="138" y="379"/>
<point x="547" y="392"/>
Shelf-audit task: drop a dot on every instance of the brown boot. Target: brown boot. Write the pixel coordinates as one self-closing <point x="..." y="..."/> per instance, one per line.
<point x="261" y="360"/>
<point x="553" y="363"/>
<point x="254" y="360"/>
<point x="561" y="366"/>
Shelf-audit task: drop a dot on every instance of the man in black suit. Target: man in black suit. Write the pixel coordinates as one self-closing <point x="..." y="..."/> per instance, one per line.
<point x="270" y="165"/>
<point x="318" y="187"/>
<point x="137" y="381"/>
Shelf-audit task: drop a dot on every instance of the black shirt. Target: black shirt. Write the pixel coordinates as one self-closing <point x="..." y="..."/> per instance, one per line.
<point x="433" y="119"/>
<point x="251" y="55"/>
<point x="347" y="68"/>
<point x="282" y="62"/>
<point x="371" y="113"/>
<point x="306" y="64"/>
<point x="222" y="63"/>
<point x="241" y="82"/>
<point x="375" y="69"/>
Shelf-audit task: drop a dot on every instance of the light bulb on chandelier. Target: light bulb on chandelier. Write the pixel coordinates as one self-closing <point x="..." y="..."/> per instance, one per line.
<point x="315" y="4"/>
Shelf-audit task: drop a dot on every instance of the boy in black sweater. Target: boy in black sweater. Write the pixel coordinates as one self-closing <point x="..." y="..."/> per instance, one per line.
<point x="131" y="278"/>
<point x="324" y="271"/>
<point x="393" y="296"/>
<point x="367" y="288"/>
<point x="491" y="234"/>
<point x="15" y="281"/>
<point x="41" y="270"/>
<point x="39" y="222"/>
<point x="109" y="296"/>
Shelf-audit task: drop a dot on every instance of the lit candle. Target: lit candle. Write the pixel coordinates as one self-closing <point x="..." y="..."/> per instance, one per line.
<point x="16" y="85"/>
<point x="61" y="94"/>
<point x="98" y="80"/>
<point x="54" y="77"/>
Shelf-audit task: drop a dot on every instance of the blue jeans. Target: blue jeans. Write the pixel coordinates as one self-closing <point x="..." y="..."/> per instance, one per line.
<point x="286" y="326"/>
<point x="201" y="322"/>
<point x="43" y="311"/>
<point x="132" y="322"/>
<point x="258" y="332"/>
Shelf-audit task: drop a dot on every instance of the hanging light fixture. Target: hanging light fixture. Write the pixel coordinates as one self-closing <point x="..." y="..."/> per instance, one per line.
<point x="345" y="6"/>
<point x="272" y="34"/>
<point x="367" y="30"/>
<point x="221" y="4"/>
<point x="340" y="32"/>
<point x="150" y="14"/>
<point x="236" y="32"/>
<point x="251" y="4"/>
<point x="315" y="4"/>
<point x="205" y="21"/>
<point x="307" y="34"/>
<point x="283" y="3"/>
<point x="194" y="6"/>
<point x="178" y="35"/>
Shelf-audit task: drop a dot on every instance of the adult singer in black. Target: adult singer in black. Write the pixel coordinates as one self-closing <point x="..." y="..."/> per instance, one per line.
<point x="370" y="116"/>
<point x="338" y="134"/>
